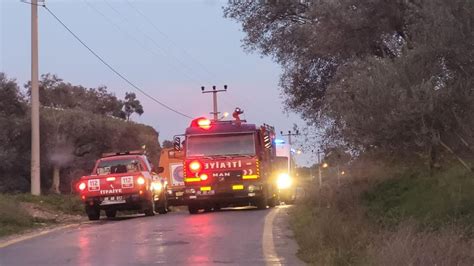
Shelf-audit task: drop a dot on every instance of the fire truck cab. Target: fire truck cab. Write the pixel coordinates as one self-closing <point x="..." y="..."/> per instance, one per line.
<point x="228" y="164"/>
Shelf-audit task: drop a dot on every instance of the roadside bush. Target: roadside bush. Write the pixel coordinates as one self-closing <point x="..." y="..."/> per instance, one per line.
<point x="401" y="217"/>
<point x="407" y="245"/>
<point x="330" y="226"/>
<point x="432" y="201"/>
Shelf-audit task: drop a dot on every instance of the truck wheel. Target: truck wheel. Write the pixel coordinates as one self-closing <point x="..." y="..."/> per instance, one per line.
<point x="162" y="206"/>
<point x="111" y="213"/>
<point x="262" y="203"/>
<point x="93" y="213"/>
<point x="150" y="209"/>
<point x="272" y="202"/>
<point x="193" y="209"/>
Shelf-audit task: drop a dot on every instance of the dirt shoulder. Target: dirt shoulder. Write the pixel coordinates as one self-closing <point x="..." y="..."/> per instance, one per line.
<point x="24" y="214"/>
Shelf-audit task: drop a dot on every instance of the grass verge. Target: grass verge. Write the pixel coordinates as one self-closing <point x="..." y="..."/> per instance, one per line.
<point x="15" y="219"/>
<point x="412" y="219"/>
<point x="68" y="204"/>
<point x="434" y="202"/>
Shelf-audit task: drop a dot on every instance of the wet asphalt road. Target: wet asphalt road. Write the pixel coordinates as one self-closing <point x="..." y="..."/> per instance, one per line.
<point x="242" y="236"/>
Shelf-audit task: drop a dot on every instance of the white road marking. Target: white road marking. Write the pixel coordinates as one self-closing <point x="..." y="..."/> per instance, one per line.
<point x="268" y="246"/>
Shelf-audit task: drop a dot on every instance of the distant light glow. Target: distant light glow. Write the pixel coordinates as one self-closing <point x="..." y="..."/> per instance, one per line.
<point x="284" y="181"/>
<point x="279" y="141"/>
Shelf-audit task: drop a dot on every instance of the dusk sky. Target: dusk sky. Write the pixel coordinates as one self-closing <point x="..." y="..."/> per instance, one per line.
<point x="169" y="50"/>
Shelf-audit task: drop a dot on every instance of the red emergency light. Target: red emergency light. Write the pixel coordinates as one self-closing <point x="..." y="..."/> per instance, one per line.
<point x="201" y="122"/>
<point x="195" y="166"/>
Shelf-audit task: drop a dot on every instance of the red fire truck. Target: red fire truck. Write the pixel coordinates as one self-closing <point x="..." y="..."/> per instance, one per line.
<point x="123" y="181"/>
<point x="228" y="163"/>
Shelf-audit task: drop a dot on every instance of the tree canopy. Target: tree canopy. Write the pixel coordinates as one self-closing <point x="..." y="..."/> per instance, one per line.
<point x="77" y="125"/>
<point x="387" y="75"/>
<point x="54" y="92"/>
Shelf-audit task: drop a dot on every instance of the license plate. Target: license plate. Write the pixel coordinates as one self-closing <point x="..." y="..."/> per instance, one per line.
<point x="112" y="200"/>
<point x="210" y="192"/>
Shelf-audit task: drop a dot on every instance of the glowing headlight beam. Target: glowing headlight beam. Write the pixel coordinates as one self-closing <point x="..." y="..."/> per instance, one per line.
<point x="284" y="181"/>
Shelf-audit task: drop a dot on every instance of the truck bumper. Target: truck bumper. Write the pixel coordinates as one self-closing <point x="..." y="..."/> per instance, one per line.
<point x="120" y="202"/>
<point x="175" y="197"/>
<point x="223" y="197"/>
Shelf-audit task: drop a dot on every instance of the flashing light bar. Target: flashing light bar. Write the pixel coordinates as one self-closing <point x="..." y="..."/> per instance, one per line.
<point x="249" y="176"/>
<point x="279" y="141"/>
<point x="205" y="188"/>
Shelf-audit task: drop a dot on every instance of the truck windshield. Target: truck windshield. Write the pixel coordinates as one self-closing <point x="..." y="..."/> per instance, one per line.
<point x="209" y="145"/>
<point x="118" y="166"/>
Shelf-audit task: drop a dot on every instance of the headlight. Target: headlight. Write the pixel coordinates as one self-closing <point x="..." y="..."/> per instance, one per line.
<point x="283" y="181"/>
<point x="140" y="180"/>
<point x="156" y="186"/>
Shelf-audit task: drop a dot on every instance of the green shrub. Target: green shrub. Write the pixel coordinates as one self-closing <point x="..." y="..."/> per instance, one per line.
<point x="434" y="201"/>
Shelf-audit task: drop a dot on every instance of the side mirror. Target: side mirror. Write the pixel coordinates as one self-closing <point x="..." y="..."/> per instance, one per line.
<point x="177" y="143"/>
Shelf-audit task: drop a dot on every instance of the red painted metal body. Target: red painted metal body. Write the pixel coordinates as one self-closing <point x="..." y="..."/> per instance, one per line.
<point x="228" y="163"/>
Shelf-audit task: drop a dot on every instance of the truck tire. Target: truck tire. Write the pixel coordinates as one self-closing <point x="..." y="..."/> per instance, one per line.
<point x="111" y="213"/>
<point x="272" y="202"/>
<point x="193" y="209"/>
<point x="93" y="213"/>
<point x="162" y="205"/>
<point x="150" y="209"/>
<point x="262" y="203"/>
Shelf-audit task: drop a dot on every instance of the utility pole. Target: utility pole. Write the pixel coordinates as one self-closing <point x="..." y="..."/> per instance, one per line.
<point x="289" y="134"/>
<point x="320" y="179"/>
<point x="214" y="92"/>
<point x="35" y="104"/>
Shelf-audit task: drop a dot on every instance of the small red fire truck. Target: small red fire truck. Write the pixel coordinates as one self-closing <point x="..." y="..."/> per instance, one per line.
<point x="228" y="163"/>
<point x="123" y="181"/>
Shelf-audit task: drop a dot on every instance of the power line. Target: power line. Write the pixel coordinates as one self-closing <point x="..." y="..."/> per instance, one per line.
<point x="163" y="51"/>
<point x="130" y="36"/>
<point x="203" y="67"/>
<point x="112" y="68"/>
<point x="246" y="101"/>
<point x="189" y="55"/>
